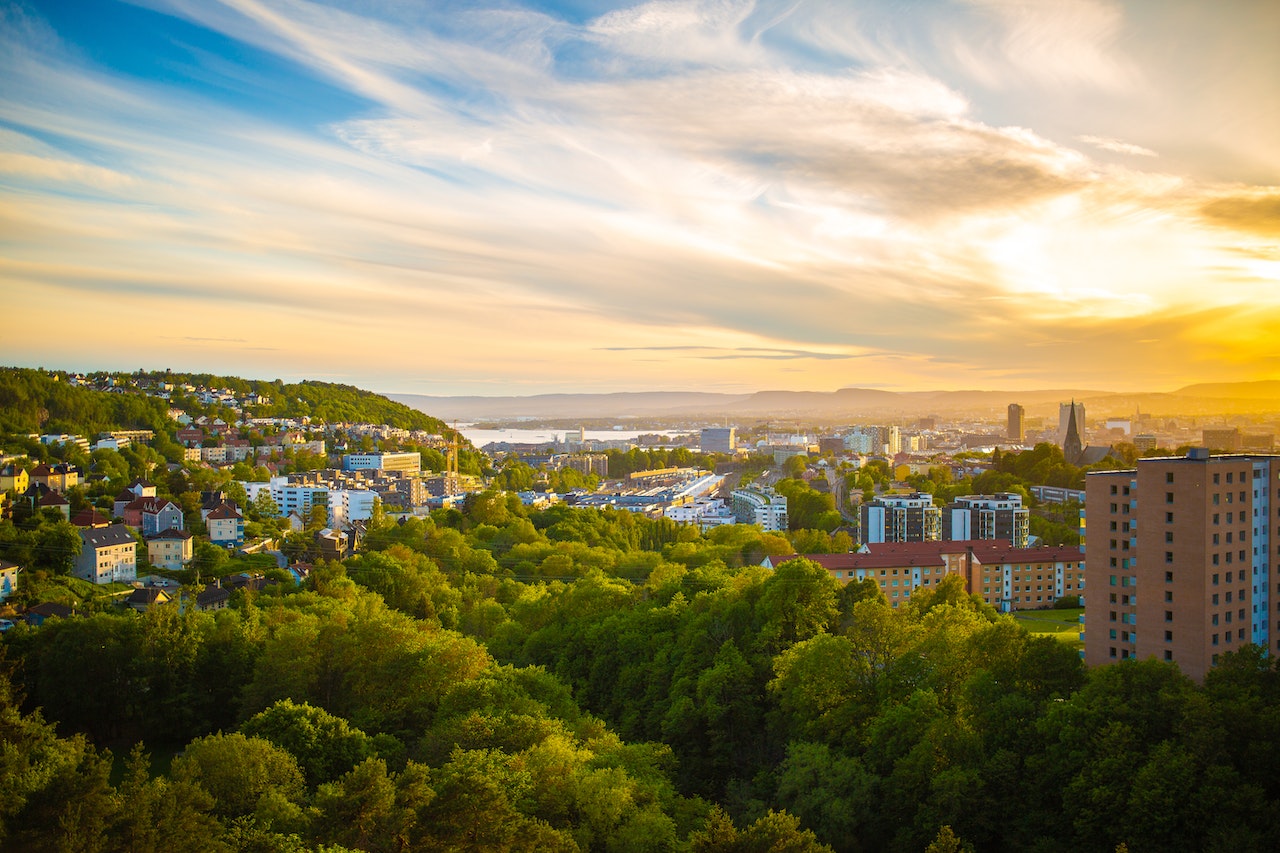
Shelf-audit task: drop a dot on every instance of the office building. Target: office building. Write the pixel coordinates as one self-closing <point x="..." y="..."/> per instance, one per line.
<point x="1017" y="428"/>
<point x="987" y="517"/>
<point x="1178" y="557"/>
<point x="382" y="462"/>
<point x="718" y="440"/>
<point x="901" y="518"/>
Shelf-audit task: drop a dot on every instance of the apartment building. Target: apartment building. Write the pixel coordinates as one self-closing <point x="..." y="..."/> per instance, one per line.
<point x="1005" y="577"/>
<point x="999" y="517"/>
<point x="1178" y="558"/>
<point x="764" y="507"/>
<point x="901" y="518"/>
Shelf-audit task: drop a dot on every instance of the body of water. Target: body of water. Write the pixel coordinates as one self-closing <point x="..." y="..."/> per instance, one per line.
<point x="481" y="437"/>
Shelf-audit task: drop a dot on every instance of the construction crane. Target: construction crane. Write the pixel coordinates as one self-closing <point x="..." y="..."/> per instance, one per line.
<point x="452" y="483"/>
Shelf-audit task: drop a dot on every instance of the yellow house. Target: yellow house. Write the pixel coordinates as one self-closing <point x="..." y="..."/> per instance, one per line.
<point x="14" y="477"/>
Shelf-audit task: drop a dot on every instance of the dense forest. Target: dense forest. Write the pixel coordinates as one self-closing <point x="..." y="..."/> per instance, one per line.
<point x="497" y="678"/>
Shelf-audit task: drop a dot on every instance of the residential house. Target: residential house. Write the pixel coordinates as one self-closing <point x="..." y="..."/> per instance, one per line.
<point x="40" y="613"/>
<point x="122" y="500"/>
<point x="8" y="578"/>
<point x="90" y="517"/>
<point x="108" y="554"/>
<point x="170" y="549"/>
<point x="226" y="526"/>
<point x="142" y="489"/>
<point x="46" y="498"/>
<point x="13" y="477"/>
<point x="58" y="477"/>
<point x="147" y="597"/>
<point x="213" y="598"/>
<point x="160" y="514"/>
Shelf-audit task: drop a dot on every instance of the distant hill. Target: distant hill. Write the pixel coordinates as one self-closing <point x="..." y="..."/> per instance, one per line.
<point x="854" y="403"/>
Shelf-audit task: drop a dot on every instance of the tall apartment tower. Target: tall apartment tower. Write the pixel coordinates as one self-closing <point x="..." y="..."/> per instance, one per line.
<point x="901" y="518"/>
<point x="1017" y="431"/>
<point x="1178" y="558"/>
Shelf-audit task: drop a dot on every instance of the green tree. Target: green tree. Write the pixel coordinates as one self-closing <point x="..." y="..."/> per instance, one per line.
<point x="239" y="772"/>
<point x="324" y="746"/>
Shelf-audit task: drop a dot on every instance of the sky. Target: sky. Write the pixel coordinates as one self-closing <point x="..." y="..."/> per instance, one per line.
<point x="513" y="198"/>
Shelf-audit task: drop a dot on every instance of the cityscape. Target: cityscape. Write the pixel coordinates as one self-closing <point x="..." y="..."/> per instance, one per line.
<point x="708" y="426"/>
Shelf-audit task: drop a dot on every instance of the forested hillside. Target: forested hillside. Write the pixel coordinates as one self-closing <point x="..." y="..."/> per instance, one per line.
<point x="495" y="678"/>
<point x="33" y="401"/>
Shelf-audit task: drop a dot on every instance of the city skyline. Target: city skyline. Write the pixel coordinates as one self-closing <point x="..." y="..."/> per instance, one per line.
<point x="527" y="198"/>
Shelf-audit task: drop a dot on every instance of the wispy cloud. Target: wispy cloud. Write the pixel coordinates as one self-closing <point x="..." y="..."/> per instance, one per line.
<point x="723" y="187"/>
<point x="1117" y="146"/>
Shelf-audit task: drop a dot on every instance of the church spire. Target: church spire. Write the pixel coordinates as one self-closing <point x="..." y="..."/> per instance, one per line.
<point x="1072" y="446"/>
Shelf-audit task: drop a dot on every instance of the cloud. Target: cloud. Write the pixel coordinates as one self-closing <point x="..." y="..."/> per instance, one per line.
<point x="722" y="353"/>
<point x="1117" y="146"/>
<point x="723" y="188"/>
<point x="1256" y="212"/>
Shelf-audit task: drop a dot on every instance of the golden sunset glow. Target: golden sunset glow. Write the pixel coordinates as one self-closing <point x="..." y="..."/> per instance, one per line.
<point x="720" y="195"/>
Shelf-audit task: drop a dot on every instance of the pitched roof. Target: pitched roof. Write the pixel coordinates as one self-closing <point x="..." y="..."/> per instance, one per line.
<point x="212" y="596"/>
<point x="170" y="533"/>
<point x="223" y="511"/>
<point x="150" y="504"/>
<point x="89" y="517"/>
<point x="5" y="565"/>
<point x="148" y="595"/>
<point x="50" y="608"/>
<point x="105" y="537"/>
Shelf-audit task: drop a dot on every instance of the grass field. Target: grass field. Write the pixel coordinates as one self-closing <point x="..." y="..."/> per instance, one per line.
<point x="1062" y="624"/>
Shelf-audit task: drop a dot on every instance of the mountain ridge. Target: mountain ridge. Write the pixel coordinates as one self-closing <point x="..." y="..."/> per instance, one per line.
<point x="1206" y="398"/>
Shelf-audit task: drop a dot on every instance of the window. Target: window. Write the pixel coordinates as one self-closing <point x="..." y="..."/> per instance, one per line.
<point x="1168" y="556"/>
<point x="1168" y="596"/>
<point x="1168" y="577"/>
<point x="1216" y="518"/>
<point x="1229" y="576"/>
<point x="1216" y="498"/>
<point x="1168" y="636"/>
<point x="1215" y="619"/>
<point x="1215" y="599"/>
<point x="1168" y="518"/>
<point x="1168" y="616"/>
<point x="1228" y="596"/>
<point x="1215" y="639"/>
<point x="1215" y="539"/>
<point x="1168" y="536"/>
<point x="1168" y="654"/>
<point x="1168" y="497"/>
<point x="1229" y="476"/>
<point x="1168" y="476"/>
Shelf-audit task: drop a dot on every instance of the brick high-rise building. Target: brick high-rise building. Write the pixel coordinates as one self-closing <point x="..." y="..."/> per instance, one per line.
<point x="1178" y="557"/>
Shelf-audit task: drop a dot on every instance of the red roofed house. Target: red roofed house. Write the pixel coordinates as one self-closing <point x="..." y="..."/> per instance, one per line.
<point x="1005" y="577"/>
<point x="90" y="517"/>
<point x="226" y="526"/>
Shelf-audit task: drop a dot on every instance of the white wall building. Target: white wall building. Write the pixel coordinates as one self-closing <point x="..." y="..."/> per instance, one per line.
<point x="764" y="507"/>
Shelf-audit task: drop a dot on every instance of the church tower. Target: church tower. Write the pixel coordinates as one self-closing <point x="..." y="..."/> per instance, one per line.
<point x="1072" y="446"/>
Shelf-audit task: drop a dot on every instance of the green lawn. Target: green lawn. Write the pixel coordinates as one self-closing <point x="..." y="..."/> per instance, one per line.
<point x="1063" y="624"/>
